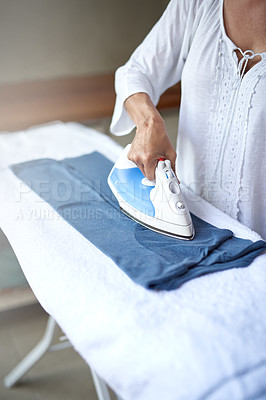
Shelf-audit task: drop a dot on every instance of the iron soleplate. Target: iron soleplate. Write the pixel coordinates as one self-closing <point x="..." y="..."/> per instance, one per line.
<point x="156" y="229"/>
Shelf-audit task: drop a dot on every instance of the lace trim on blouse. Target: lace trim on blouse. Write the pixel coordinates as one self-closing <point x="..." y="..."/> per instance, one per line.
<point x="228" y="127"/>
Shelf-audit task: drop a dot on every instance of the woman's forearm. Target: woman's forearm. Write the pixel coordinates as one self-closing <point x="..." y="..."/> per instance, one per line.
<point x="141" y="109"/>
<point x="151" y="141"/>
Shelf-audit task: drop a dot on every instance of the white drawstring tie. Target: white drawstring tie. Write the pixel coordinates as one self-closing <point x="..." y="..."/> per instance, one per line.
<point x="246" y="56"/>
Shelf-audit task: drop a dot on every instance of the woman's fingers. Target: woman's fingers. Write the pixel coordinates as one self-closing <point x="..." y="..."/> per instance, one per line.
<point x="144" y="160"/>
<point x="150" y="144"/>
<point x="147" y="164"/>
<point x="171" y="155"/>
<point x="149" y="170"/>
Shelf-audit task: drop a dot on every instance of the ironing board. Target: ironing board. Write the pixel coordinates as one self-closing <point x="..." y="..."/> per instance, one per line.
<point x="205" y="340"/>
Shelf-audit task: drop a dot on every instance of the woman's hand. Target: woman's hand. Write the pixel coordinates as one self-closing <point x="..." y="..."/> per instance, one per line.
<point x="151" y="141"/>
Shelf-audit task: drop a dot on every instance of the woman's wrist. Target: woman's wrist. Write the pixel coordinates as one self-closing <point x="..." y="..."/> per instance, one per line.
<point x="150" y="124"/>
<point x="142" y="111"/>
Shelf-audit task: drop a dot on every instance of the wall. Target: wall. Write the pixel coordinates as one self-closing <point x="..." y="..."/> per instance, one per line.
<point x="42" y="39"/>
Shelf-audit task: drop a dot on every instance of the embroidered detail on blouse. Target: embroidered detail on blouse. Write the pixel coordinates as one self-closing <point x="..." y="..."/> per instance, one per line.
<point x="228" y="129"/>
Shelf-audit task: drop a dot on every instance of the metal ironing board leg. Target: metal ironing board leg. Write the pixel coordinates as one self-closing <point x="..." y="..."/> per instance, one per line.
<point x="100" y="387"/>
<point x="33" y="356"/>
<point x="39" y="350"/>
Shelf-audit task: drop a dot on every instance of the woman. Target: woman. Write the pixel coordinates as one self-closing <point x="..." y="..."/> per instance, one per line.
<point x="218" y="50"/>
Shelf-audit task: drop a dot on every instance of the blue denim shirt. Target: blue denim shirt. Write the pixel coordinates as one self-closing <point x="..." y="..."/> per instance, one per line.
<point x="77" y="189"/>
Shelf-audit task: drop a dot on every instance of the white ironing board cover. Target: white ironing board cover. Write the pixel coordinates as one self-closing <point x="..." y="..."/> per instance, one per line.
<point x="205" y="340"/>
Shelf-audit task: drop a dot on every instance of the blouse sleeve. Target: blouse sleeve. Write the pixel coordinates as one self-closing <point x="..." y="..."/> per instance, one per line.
<point x="157" y="62"/>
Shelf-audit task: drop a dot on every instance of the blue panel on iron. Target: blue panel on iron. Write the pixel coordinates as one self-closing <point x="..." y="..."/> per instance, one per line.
<point x="128" y="184"/>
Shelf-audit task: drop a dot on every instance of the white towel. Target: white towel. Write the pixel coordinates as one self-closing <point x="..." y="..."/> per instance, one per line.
<point x="205" y="340"/>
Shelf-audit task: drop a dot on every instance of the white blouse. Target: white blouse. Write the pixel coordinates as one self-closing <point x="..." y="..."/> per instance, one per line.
<point x="221" y="137"/>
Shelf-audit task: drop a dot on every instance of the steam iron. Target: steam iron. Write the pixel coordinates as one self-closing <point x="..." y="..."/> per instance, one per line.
<point x="158" y="205"/>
